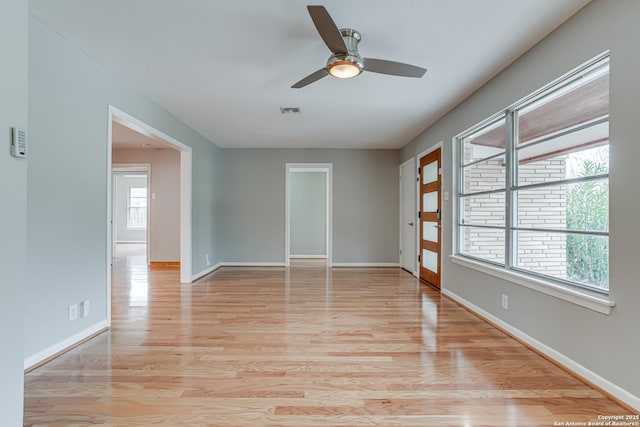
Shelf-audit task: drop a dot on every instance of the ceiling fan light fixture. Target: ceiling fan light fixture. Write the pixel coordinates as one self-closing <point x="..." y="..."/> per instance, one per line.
<point x="344" y="69"/>
<point x="345" y="65"/>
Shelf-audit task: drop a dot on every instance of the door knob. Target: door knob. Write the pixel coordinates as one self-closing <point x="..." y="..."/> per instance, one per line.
<point x="411" y="224"/>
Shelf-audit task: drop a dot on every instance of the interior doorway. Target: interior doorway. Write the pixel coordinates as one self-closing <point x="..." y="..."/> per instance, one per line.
<point x="118" y="119"/>
<point x="130" y="207"/>
<point x="308" y="218"/>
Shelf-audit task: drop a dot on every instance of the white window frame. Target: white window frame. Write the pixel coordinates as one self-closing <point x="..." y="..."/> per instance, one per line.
<point x="585" y="296"/>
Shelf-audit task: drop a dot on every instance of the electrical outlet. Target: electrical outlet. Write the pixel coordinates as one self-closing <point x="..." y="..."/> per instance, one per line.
<point x="208" y="260"/>
<point x="84" y="308"/>
<point x="505" y="302"/>
<point x="73" y="312"/>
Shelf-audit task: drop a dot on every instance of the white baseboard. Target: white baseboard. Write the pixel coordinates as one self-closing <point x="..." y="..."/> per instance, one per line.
<point x="282" y="264"/>
<point x="64" y="344"/>
<point x="235" y="264"/>
<point x="205" y="272"/>
<point x="570" y="364"/>
<point x="366" y="264"/>
<point x="308" y="257"/>
<point x="251" y="264"/>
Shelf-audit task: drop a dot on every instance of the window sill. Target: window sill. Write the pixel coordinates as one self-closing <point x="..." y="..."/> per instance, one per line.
<point x="583" y="298"/>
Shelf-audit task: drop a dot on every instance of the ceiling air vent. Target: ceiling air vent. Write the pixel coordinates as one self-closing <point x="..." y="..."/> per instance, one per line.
<point x="290" y="110"/>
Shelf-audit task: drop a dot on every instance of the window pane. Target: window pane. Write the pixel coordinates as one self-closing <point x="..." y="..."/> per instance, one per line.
<point x="138" y="192"/>
<point x="486" y="209"/>
<point x="485" y="176"/>
<point x="137" y="218"/>
<point x="590" y="162"/>
<point x="576" y="257"/>
<point x="582" y="100"/>
<point x="137" y="213"/>
<point x="138" y="202"/>
<point x="588" y="260"/>
<point x="547" y="162"/>
<point x="430" y="231"/>
<point x="485" y="243"/>
<point x="578" y="206"/>
<point x="544" y="253"/>
<point x="430" y="260"/>
<point x="486" y="142"/>
<point x="430" y="202"/>
<point x="430" y="172"/>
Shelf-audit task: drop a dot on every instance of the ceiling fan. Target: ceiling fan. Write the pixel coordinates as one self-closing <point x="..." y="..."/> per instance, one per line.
<point x="345" y="61"/>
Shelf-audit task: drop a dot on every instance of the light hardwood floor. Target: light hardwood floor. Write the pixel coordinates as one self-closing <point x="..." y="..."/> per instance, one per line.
<point x="304" y="346"/>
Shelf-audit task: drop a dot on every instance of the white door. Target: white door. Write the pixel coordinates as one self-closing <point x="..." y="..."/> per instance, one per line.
<point x="408" y="216"/>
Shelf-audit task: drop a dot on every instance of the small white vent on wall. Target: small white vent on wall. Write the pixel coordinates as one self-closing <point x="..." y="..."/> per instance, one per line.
<point x="290" y="110"/>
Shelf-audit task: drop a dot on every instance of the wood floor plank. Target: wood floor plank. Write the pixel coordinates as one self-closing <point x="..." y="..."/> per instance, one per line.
<point x="299" y="346"/>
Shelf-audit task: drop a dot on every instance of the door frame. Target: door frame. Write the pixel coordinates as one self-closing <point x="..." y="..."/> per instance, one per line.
<point x="327" y="168"/>
<point x="115" y="114"/>
<point x="121" y="169"/>
<point x="415" y="216"/>
<point x="434" y="147"/>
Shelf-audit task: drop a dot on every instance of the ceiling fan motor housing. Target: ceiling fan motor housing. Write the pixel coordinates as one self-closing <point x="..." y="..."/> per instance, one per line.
<point x="351" y="38"/>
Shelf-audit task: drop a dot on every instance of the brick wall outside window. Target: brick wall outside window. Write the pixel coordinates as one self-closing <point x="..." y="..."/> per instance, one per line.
<point x="542" y="208"/>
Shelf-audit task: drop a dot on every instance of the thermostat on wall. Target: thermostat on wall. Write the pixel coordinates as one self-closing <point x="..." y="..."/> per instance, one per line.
<point x="18" y="143"/>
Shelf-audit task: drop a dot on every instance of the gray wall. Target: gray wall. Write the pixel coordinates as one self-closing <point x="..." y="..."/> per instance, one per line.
<point x="365" y="203"/>
<point x="607" y="345"/>
<point x="165" y="208"/>
<point x="308" y="213"/>
<point x="13" y="208"/>
<point x="69" y="95"/>
<point x="122" y="183"/>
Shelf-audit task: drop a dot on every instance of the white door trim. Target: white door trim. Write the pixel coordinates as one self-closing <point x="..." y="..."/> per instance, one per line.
<point x="419" y="157"/>
<point x="309" y="167"/>
<point x="415" y="216"/>
<point x="185" y="194"/>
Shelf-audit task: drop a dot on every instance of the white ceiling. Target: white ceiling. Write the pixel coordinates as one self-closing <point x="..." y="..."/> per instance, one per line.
<point x="225" y="67"/>
<point x="124" y="136"/>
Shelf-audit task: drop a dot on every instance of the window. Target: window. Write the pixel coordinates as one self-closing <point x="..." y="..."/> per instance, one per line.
<point x="482" y="202"/>
<point x="137" y="208"/>
<point x="533" y="183"/>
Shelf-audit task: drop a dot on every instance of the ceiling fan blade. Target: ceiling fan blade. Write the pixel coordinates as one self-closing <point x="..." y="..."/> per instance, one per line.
<point x="327" y="29"/>
<point x="383" y="66"/>
<point x="316" y="75"/>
